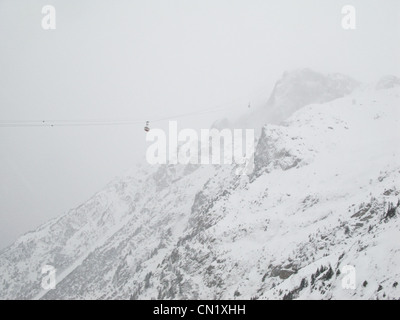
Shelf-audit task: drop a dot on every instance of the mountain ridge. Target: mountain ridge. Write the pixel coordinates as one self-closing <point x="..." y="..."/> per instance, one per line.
<point x="188" y="232"/>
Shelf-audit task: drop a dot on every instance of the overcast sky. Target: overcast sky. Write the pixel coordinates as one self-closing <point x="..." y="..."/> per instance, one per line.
<point x="146" y="59"/>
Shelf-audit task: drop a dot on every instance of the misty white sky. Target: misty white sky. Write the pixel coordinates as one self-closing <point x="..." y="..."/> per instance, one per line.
<point x="130" y="60"/>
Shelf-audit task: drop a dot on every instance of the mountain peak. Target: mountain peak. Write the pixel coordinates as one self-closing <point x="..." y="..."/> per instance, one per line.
<point x="388" y="82"/>
<point x="296" y="89"/>
<point x="302" y="87"/>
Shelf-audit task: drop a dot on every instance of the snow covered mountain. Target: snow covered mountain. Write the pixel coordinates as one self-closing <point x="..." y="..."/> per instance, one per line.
<point x="295" y="90"/>
<point x="324" y="194"/>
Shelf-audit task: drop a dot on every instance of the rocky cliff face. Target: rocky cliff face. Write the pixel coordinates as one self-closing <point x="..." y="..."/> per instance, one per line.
<point x="323" y="195"/>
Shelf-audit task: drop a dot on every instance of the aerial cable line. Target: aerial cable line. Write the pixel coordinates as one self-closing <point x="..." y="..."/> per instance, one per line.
<point x="77" y="123"/>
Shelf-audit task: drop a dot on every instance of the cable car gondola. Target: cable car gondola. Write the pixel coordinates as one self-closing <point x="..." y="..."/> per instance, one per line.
<point x="147" y="128"/>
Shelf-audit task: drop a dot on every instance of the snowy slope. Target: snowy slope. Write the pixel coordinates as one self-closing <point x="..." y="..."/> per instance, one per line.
<point x="318" y="200"/>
